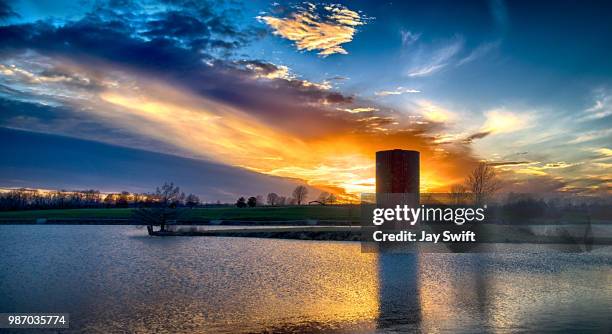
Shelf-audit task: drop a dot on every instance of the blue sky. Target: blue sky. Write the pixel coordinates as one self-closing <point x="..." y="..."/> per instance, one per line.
<point x="525" y="86"/>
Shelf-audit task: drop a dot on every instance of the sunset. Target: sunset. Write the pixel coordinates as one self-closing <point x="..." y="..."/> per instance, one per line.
<point x="295" y="90"/>
<point x="271" y="151"/>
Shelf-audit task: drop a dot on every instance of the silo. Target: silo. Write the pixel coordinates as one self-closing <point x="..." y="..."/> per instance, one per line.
<point x="397" y="171"/>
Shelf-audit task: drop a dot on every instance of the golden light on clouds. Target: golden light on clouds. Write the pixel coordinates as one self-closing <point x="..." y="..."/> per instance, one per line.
<point x="207" y="129"/>
<point x="502" y="121"/>
<point x="230" y="136"/>
<point x="329" y="145"/>
<point x="433" y="112"/>
<point x="358" y="110"/>
<point x="310" y="30"/>
<point x="341" y="163"/>
<point x="604" y="151"/>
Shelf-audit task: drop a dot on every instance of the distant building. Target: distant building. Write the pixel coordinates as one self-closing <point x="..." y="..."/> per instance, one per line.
<point x="397" y="171"/>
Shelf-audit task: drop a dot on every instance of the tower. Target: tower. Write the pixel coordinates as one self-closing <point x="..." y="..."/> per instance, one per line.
<point x="397" y="171"/>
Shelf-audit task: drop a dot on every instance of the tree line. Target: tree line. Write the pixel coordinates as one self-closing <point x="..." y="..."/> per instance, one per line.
<point x="31" y="199"/>
<point x="167" y="195"/>
<point x="298" y="197"/>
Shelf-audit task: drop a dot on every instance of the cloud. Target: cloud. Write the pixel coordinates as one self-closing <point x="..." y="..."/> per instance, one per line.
<point x="556" y="165"/>
<point x="268" y="70"/>
<point x="604" y="151"/>
<point x="503" y="121"/>
<point x="537" y="168"/>
<point x="398" y="91"/>
<point x="477" y="135"/>
<point x="311" y="28"/>
<point x="358" y="110"/>
<point x="6" y="11"/>
<point x="427" y="70"/>
<point x="434" y="61"/>
<point x="601" y="108"/>
<point x="204" y="32"/>
<point x="46" y="73"/>
<point x="591" y="136"/>
<point x="479" y="52"/>
<point x="433" y="112"/>
<point x="533" y="183"/>
<point x="499" y="13"/>
<point x="508" y="163"/>
<point x="409" y="37"/>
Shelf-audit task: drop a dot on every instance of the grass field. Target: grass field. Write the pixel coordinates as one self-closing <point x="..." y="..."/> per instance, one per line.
<point x="340" y="212"/>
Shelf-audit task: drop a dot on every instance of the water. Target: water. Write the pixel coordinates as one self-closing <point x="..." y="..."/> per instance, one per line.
<point x="115" y="279"/>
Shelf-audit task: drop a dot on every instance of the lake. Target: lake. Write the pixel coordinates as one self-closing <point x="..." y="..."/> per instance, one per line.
<point x="116" y="279"/>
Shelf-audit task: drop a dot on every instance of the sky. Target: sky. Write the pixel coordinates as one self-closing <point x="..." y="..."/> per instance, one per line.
<point x="32" y="160"/>
<point x="310" y="90"/>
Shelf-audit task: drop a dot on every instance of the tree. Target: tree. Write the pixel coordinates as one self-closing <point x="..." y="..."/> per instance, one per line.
<point x="524" y="207"/>
<point x="241" y="202"/>
<point x="167" y="198"/>
<point x="282" y="200"/>
<point x="260" y="200"/>
<point x="169" y="195"/>
<point x="482" y="182"/>
<point x="123" y="200"/>
<point x="332" y="199"/>
<point x="299" y="194"/>
<point x="192" y="200"/>
<point x="155" y="216"/>
<point x="323" y="197"/>
<point x="109" y="200"/>
<point x="458" y="194"/>
<point x="252" y="202"/>
<point x="273" y="199"/>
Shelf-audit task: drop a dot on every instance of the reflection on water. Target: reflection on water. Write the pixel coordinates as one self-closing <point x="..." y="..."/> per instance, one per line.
<point x="116" y="279"/>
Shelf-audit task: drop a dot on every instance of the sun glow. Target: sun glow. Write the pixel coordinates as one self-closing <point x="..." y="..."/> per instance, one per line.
<point x="206" y="129"/>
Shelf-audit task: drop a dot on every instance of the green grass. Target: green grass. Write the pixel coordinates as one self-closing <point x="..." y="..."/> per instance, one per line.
<point x="229" y="213"/>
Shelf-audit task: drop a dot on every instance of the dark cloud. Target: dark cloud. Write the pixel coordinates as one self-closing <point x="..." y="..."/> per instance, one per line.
<point x="338" y="98"/>
<point x="125" y="33"/>
<point x="259" y="67"/>
<point x="478" y="135"/>
<point x="535" y="184"/>
<point x="63" y="120"/>
<point x="338" y="78"/>
<point x="6" y="11"/>
<point x="181" y="46"/>
<point x="508" y="163"/>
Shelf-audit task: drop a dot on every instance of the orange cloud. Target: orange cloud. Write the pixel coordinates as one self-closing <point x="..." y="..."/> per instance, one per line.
<point x="311" y="31"/>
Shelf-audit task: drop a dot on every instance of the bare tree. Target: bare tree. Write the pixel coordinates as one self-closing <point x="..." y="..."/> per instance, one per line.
<point x="458" y="194"/>
<point x="273" y="199"/>
<point x="331" y="199"/>
<point x="482" y="182"/>
<point x="169" y="194"/>
<point x="323" y="197"/>
<point x="299" y="194"/>
<point x="167" y="198"/>
<point x="192" y="200"/>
